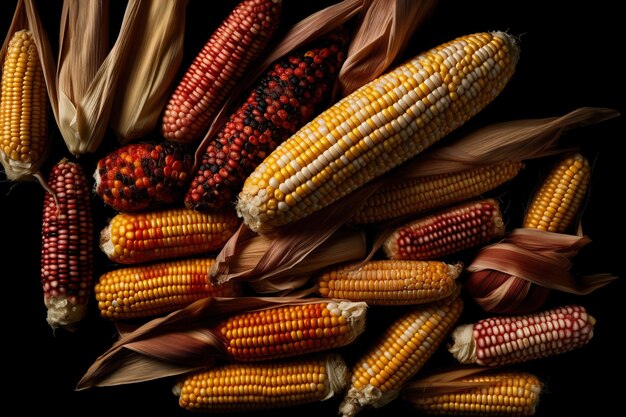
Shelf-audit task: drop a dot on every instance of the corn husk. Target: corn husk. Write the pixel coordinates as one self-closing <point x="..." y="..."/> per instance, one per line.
<point x="87" y="77"/>
<point x="180" y="342"/>
<point x="156" y="51"/>
<point x="26" y="17"/>
<point x="530" y="257"/>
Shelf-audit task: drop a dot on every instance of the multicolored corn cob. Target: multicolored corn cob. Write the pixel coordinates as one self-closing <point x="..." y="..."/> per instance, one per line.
<point x="379" y="375"/>
<point x="285" y="99"/>
<point x="506" y="340"/>
<point x="221" y="63"/>
<point x="132" y="238"/>
<point x="23" y="109"/>
<point x="292" y="330"/>
<point x="556" y="203"/>
<point x="449" y="231"/>
<point x="143" y="176"/>
<point x="67" y="245"/>
<point x="419" y="195"/>
<point x="493" y="394"/>
<point x="390" y="282"/>
<point x="376" y="128"/>
<point x="150" y="290"/>
<point x="247" y="387"/>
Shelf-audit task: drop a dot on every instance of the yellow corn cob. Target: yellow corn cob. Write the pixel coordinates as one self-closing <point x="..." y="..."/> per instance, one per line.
<point x="245" y="387"/>
<point x="418" y="195"/>
<point x="390" y="282"/>
<point x="291" y="330"/>
<point x="149" y="290"/>
<point x="23" y="106"/>
<point x="499" y="394"/>
<point x="379" y="375"/>
<point x="376" y="128"/>
<point x="559" y="198"/>
<point x="140" y="237"/>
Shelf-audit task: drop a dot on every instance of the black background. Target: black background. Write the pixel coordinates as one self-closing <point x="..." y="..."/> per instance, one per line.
<point x="569" y="59"/>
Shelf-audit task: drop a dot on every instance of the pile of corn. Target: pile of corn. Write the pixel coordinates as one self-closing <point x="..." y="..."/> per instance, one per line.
<point x="286" y="150"/>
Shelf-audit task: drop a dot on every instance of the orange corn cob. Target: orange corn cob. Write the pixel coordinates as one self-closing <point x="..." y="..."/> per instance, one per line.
<point x="390" y="282"/>
<point x="506" y="340"/>
<point x="449" y="231"/>
<point x="149" y="290"/>
<point x="214" y="73"/>
<point x="141" y="237"/>
<point x="292" y="330"/>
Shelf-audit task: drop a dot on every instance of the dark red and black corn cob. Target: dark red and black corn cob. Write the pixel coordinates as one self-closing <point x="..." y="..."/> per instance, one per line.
<point x="221" y="63"/>
<point x="67" y="245"/>
<point x="143" y="176"/>
<point x="292" y="92"/>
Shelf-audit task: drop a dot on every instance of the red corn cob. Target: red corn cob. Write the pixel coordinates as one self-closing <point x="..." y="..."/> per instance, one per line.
<point x="143" y="176"/>
<point x="446" y="232"/>
<point x="67" y="245"/>
<point x="505" y="340"/>
<point x="285" y="99"/>
<point x="235" y="44"/>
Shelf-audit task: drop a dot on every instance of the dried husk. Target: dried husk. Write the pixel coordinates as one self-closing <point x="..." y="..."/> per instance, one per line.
<point x="529" y="257"/>
<point x="153" y="60"/>
<point x="26" y="17"/>
<point x="180" y="342"/>
<point x="87" y="77"/>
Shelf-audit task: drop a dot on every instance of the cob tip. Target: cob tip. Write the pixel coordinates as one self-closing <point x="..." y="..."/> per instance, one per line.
<point x="463" y="344"/>
<point x="62" y="312"/>
<point x="106" y="244"/>
<point x="511" y="42"/>
<point x="338" y="375"/>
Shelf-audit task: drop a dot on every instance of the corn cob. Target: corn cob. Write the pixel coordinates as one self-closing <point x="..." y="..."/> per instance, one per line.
<point x="500" y="394"/>
<point x="132" y="238"/>
<point x="221" y="63"/>
<point x="23" y="107"/>
<point x="452" y="230"/>
<point x="284" y="100"/>
<point x="67" y="246"/>
<point x="506" y="340"/>
<point x="150" y="290"/>
<point x="143" y="176"/>
<point x="246" y="387"/>
<point x="292" y="330"/>
<point x="379" y="375"/>
<point x="416" y="196"/>
<point x="376" y="128"/>
<point x="390" y="282"/>
<point x="556" y="203"/>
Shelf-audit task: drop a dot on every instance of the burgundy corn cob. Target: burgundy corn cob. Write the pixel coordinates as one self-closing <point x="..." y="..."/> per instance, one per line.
<point x="235" y="44"/>
<point x="446" y="232"/>
<point x="143" y="176"/>
<point x="286" y="98"/>
<point x="505" y="340"/>
<point x="67" y="245"/>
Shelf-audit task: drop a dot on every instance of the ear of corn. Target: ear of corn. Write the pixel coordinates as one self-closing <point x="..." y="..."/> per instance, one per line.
<point x="292" y="330"/>
<point x="449" y="231"/>
<point x="497" y="394"/>
<point x="247" y="387"/>
<point x="221" y="63"/>
<point x="418" y="195"/>
<point x="556" y="203"/>
<point x="390" y="282"/>
<point x="67" y="245"/>
<point x="143" y="176"/>
<point x="286" y="97"/>
<point x="379" y="375"/>
<point x="132" y="238"/>
<point x="376" y="128"/>
<point x="505" y="340"/>
<point x="149" y="290"/>
<point x="23" y="109"/>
